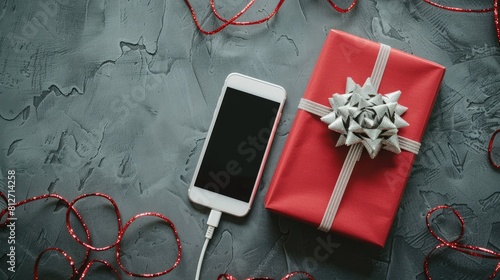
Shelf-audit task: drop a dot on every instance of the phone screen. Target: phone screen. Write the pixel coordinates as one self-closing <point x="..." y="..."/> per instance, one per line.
<point x="237" y="144"/>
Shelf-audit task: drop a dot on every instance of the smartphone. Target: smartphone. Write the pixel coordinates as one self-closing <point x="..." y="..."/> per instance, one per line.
<point x="238" y="141"/>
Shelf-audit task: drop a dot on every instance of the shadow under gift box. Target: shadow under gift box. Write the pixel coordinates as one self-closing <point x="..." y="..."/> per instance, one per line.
<point x="310" y="163"/>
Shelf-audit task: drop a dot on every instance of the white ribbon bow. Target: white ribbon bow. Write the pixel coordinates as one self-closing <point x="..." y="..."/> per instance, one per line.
<point x="362" y="115"/>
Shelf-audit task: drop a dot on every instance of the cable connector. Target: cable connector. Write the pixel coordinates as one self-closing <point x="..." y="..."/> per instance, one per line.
<point x="212" y="222"/>
<point x="214" y="218"/>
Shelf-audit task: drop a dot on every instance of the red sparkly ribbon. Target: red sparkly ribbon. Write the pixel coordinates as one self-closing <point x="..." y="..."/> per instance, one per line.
<point x="286" y="277"/>
<point x="81" y="272"/>
<point x="493" y="9"/>
<point x="233" y="20"/>
<point x="456" y="245"/>
<point x="490" y="150"/>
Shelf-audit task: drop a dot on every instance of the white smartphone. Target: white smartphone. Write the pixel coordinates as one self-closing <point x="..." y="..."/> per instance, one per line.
<point x="238" y="141"/>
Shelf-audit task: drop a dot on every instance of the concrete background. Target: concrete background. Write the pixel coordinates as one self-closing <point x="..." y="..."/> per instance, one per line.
<point x="116" y="97"/>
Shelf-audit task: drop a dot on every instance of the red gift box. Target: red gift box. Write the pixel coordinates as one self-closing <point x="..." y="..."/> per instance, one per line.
<point x="310" y="163"/>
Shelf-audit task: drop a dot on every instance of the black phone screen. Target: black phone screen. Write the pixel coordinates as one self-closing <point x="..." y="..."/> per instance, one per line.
<point x="237" y="145"/>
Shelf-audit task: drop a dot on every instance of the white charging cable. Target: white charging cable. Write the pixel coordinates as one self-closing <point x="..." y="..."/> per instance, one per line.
<point x="213" y="222"/>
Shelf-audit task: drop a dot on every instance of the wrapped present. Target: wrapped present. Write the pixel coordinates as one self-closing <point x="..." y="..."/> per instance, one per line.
<point x="356" y="134"/>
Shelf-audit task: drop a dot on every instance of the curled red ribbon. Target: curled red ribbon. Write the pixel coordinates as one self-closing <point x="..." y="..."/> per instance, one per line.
<point x="233" y="20"/>
<point x="80" y="273"/>
<point x="456" y="245"/>
<point x="286" y="277"/>
<point x="490" y="150"/>
<point x="493" y="9"/>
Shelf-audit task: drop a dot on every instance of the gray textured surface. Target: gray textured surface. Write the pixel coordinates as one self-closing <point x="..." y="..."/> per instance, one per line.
<point x="116" y="96"/>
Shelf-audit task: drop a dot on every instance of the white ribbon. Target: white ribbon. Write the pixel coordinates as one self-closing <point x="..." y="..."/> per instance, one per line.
<point x="355" y="151"/>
